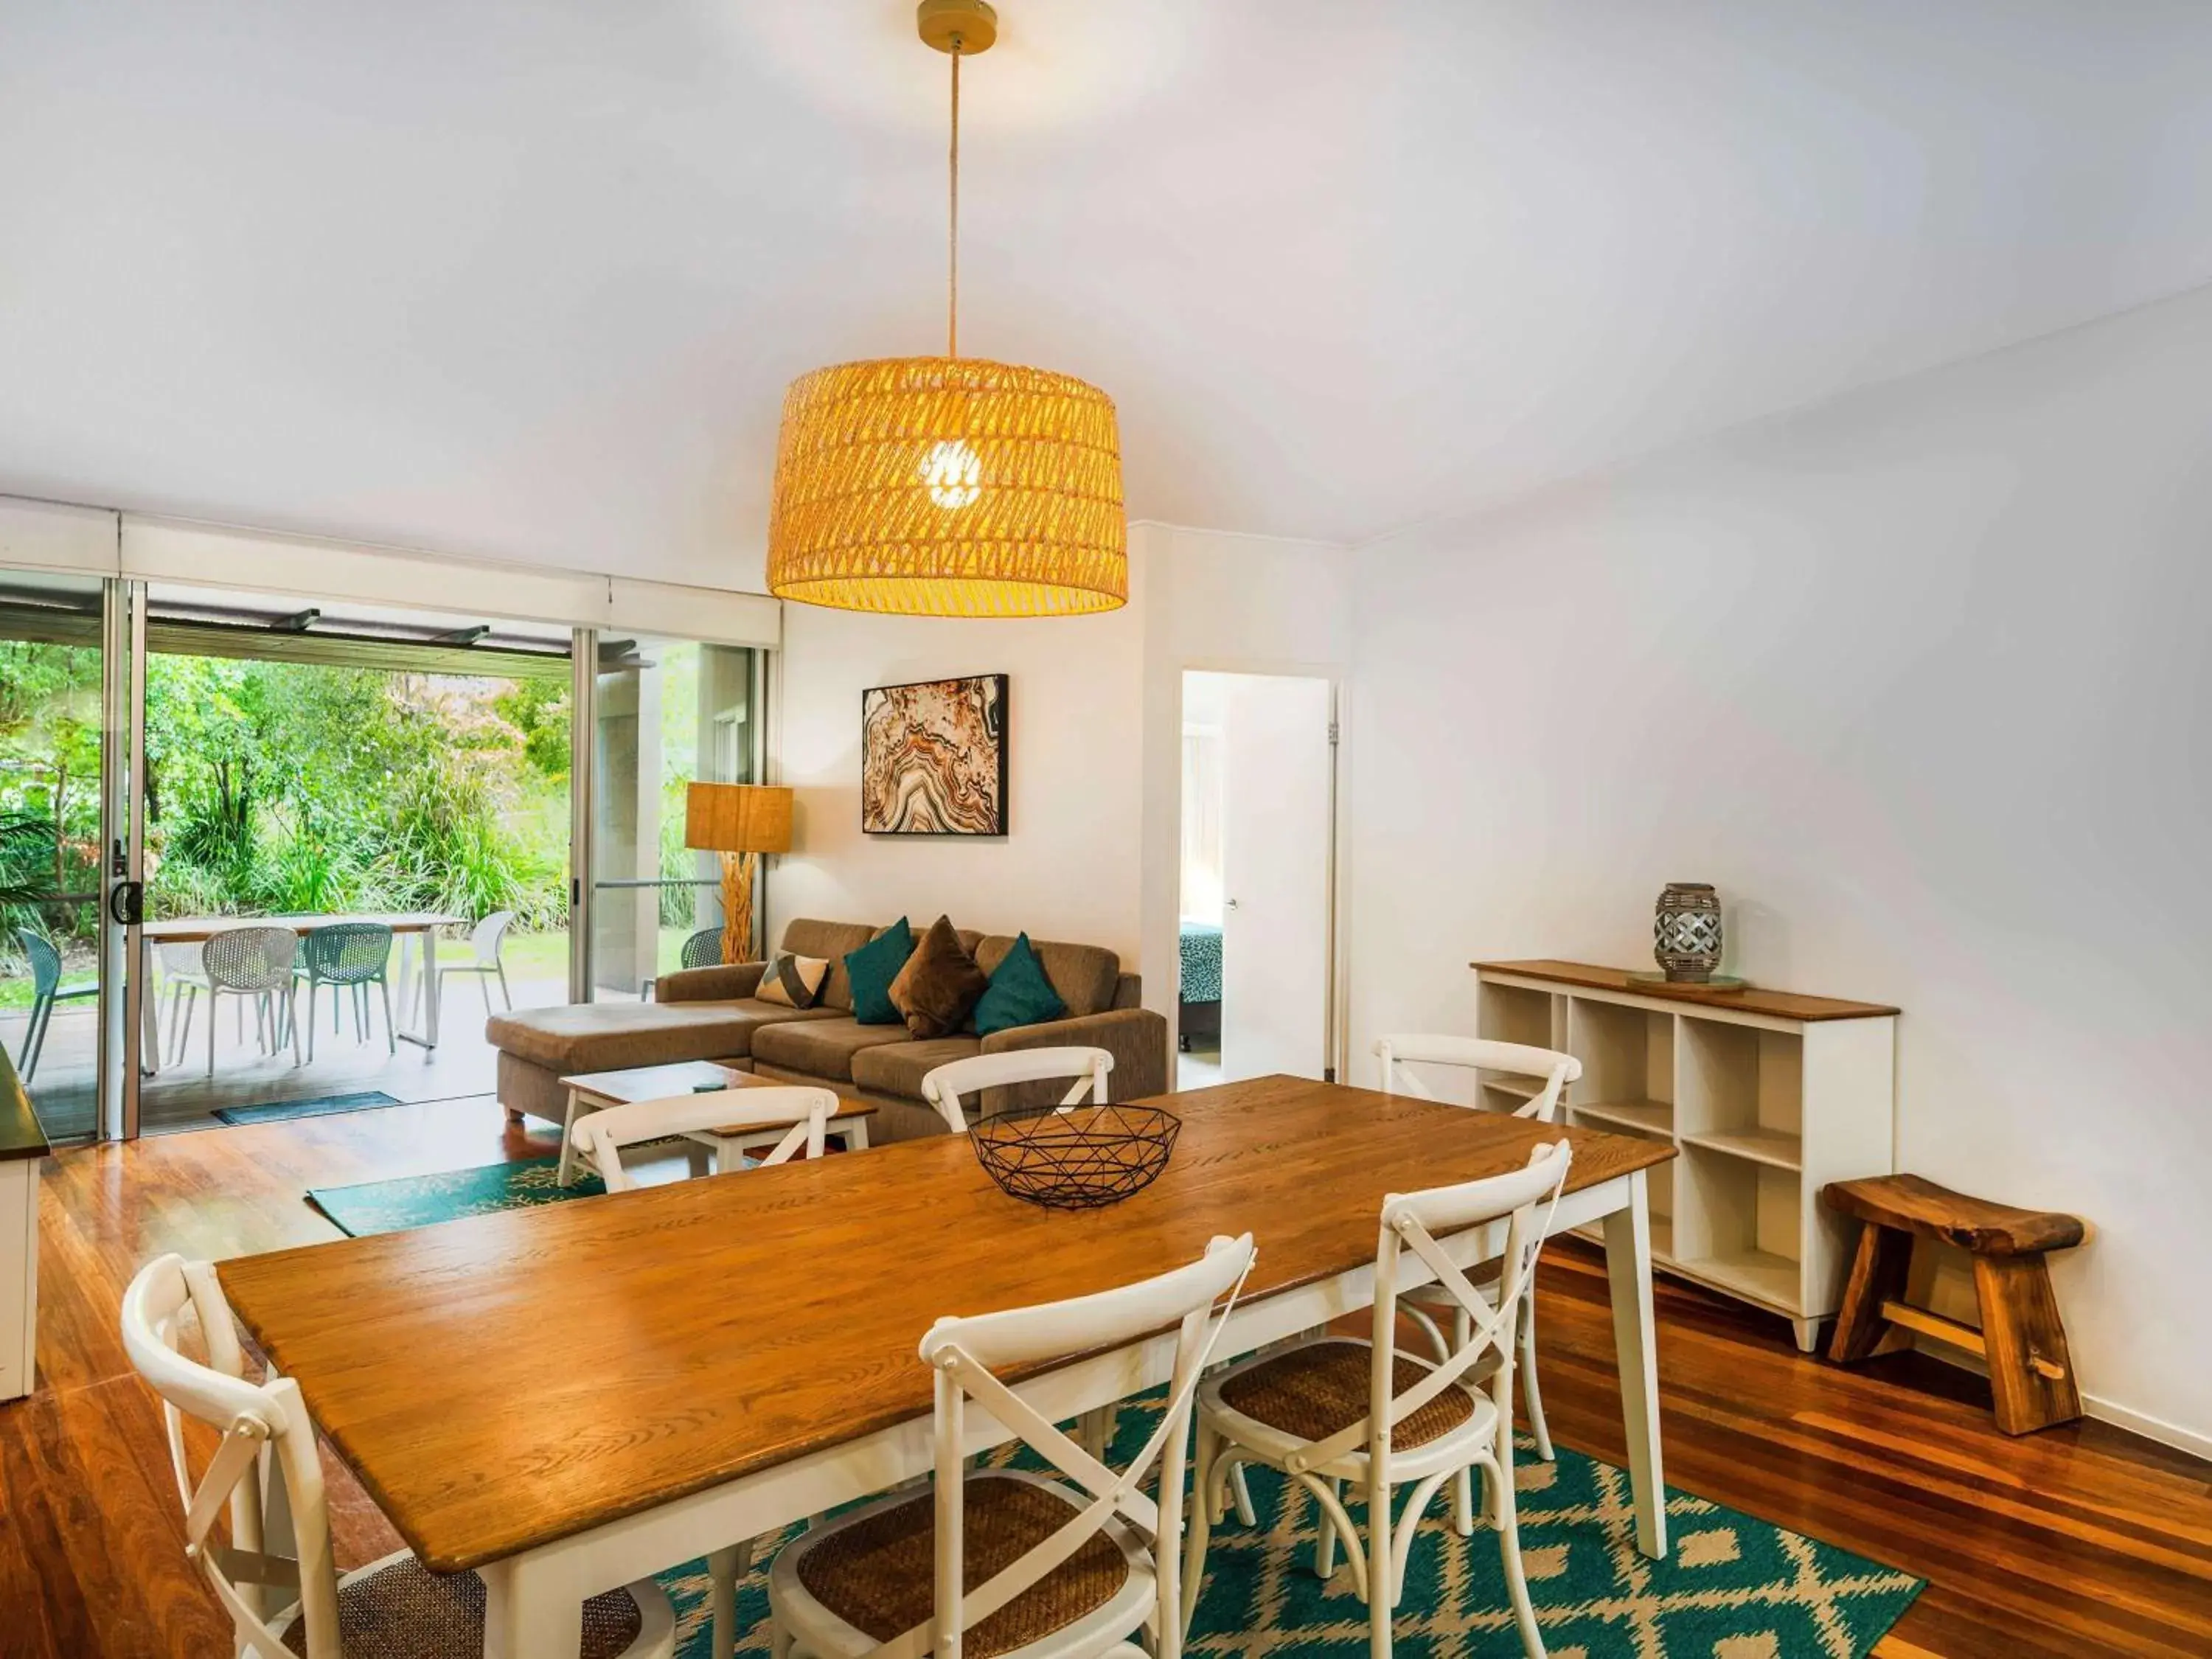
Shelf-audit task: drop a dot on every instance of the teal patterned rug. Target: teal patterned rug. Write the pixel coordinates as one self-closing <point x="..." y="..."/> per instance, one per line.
<point x="390" y="1206"/>
<point x="1731" y="1588"/>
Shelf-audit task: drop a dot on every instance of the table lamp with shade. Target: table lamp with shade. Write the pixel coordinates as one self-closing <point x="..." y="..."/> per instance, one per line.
<point x="740" y="821"/>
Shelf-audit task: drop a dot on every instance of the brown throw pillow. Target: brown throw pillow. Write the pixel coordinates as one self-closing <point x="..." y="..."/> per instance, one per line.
<point x="793" y="982"/>
<point x="939" y="983"/>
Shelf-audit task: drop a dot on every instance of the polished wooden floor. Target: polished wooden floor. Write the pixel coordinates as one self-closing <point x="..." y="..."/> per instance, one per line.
<point x="2081" y="1540"/>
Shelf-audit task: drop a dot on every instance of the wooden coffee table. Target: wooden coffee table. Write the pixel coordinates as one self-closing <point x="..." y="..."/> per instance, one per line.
<point x="594" y="1092"/>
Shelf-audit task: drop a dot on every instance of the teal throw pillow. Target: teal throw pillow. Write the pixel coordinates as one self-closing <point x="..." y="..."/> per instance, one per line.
<point x="872" y="969"/>
<point x="1019" y="993"/>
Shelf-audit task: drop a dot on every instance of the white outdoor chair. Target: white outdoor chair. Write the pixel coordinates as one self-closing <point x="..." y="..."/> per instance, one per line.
<point x="892" y="1579"/>
<point x="276" y="1569"/>
<point x="598" y="1138"/>
<point x="254" y="962"/>
<point x="1557" y="1070"/>
<point x="183" y="979"/>
<point x="945" y="1084"/>
<point x="1332" y="1409"/>
<point x="485" y="939"/>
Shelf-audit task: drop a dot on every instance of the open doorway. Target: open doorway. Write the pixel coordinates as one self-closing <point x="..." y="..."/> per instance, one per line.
<point x="1253" y="990"/>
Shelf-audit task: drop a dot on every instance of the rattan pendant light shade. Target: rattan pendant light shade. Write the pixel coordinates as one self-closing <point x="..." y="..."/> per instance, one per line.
<point x="949" y="486"/>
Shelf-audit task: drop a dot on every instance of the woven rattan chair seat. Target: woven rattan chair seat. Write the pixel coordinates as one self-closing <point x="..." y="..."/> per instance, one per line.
<point x="878" y="1574"/>
<point x="404" y="1611"/>
<point x="1318" y="1388"/>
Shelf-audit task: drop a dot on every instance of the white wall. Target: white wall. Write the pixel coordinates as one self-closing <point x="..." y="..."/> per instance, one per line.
<point x="1067" y="869"/>
<point x="1257" y="603"/>
<point x="1095" y="774"/>
<point x="1920" y="679"/>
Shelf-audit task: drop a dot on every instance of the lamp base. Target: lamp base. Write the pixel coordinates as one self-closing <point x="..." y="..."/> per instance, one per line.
<point x="738" y="906"/>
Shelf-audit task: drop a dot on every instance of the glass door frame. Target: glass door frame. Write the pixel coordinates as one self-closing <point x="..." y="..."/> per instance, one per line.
<point x="123" y="856"/>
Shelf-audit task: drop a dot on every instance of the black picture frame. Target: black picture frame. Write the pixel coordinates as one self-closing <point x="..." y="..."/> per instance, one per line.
<point x="996" y="703"/>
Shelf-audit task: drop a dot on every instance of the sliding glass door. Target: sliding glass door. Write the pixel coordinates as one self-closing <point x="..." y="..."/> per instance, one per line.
<point x="663" y="713"/>
<point x="69" y="857"/>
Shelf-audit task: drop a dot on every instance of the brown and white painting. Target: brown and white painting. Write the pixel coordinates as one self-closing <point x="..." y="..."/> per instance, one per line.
<point x="933" y="757"/>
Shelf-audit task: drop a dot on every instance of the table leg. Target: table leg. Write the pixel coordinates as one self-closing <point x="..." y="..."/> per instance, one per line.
<point x="418" y="977"/>
<point x="1628" y="1268"/>
<point x="531" y="1610"/>
<point x="856" y="1135"/>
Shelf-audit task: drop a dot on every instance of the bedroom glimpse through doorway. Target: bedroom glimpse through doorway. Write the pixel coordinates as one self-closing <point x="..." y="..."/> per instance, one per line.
<point x="1258" y="765"/>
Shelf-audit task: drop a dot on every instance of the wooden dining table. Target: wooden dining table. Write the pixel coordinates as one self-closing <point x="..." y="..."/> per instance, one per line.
<point x="415" y="930"/>
<point x="572" y="1396"/>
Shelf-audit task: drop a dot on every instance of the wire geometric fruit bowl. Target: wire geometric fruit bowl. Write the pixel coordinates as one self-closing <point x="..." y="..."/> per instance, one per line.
<point x="1079" y="1158"/>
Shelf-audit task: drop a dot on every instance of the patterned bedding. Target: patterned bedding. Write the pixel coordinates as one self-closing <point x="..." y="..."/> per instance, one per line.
<point x="1202" y="963"/>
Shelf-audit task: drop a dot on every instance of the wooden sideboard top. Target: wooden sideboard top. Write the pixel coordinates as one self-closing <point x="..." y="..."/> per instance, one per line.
<point x="1780" y="1004"/>
<point x="20" y="1134"/>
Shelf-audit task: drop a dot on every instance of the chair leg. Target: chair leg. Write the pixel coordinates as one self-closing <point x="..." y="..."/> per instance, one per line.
<point x="312" y="987"/>
<point x="215" y="1002"/>
<point x="35" y="1035"/>
<point x="1530" y="1394"/>
<point x="724" y="1569"/>
<point x="1208" y="1449"/>
<point x="1509" y="1550"/>
<point x="505" y="995"/>
<point x="1463" y="1484"/>
<point x="390" y="1036"/>
<point x="1246" y="1515"/>
<point x="1325" y="1536"/>
<point x="779" y="1641"/>
<point x="1382" y="1596"/>
<point x="484" y="984"/>
<point x="292" y="1007"/>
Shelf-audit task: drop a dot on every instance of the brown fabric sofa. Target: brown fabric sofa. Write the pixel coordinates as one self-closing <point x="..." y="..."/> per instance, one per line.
<point x="711" y="1013"/>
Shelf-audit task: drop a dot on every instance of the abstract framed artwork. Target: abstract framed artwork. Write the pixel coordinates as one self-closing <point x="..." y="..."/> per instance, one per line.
<point x="933" y="757"/>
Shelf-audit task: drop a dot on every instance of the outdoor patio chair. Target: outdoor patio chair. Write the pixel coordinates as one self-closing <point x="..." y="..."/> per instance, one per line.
<point x="485" y="939"/>
<point x="703" y="949"/>
<point x="357" y="954"/>
<point x="256" y="963"/>
<point x="46" y="989"/>
<point x="183" y="976"/>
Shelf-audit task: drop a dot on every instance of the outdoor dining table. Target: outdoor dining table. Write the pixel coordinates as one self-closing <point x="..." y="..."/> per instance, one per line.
<point x="747" y="1353"/>
<point x="418" y="962"/>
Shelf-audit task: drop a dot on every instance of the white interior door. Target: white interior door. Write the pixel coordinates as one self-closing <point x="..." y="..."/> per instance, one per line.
<point x="1274" y="871"/>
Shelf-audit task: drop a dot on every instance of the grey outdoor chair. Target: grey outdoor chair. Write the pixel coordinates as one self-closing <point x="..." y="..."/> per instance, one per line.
<point x="349" y="953"/>
<point x="256" y="963"/>
<point x="703" y="949"/>
<point x="46" y="989"/>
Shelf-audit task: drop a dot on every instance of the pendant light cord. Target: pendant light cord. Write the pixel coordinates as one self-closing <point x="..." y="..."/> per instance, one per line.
<point x="952" y="284"/>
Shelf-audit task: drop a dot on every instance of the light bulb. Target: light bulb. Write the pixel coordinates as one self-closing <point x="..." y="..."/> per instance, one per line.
<point x="953" y="472"/>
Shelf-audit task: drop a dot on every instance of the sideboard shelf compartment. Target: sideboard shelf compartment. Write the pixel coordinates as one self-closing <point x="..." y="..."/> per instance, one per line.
<point x="1768" y="1095"/>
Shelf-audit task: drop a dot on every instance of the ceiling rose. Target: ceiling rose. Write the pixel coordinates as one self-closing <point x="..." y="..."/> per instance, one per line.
<point x="949" y="486"/>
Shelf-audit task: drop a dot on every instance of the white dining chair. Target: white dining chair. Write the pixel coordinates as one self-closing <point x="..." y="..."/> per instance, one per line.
<point x="277" y="1571"/>
<point x="1087" y="1069"/>
<point x="597" y="1140"/>
<point x="1332" y="1409"/>
<point x="254" y="962"/>
<point x="1556" y="1071"/>
<point x="485" y="940"/>
<point x="895" y="1578"/>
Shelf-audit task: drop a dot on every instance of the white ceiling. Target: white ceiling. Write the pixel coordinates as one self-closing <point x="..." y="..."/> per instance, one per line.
<point x="527" y="279"/>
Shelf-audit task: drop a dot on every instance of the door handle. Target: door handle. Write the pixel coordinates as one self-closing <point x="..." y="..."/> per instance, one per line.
<point x="1228" y="904"/>
<point x="126" y="903"/>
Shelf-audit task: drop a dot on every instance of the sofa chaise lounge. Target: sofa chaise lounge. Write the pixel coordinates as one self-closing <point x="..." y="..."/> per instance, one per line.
<point x="711" y="1013"/>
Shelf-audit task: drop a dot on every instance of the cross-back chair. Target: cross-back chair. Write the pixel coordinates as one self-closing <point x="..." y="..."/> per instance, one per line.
<point x="275" y="1578"/>
<point x="1085" y="1069"/>
<point x="1331" y="1410"/>
<point x="599" y="1139"/>
<point x="1557" y="1071"/>
<point x="1071" y="1564"/>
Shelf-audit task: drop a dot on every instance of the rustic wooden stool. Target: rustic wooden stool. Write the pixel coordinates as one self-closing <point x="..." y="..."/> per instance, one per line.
<point x="2020" y="1335"/>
